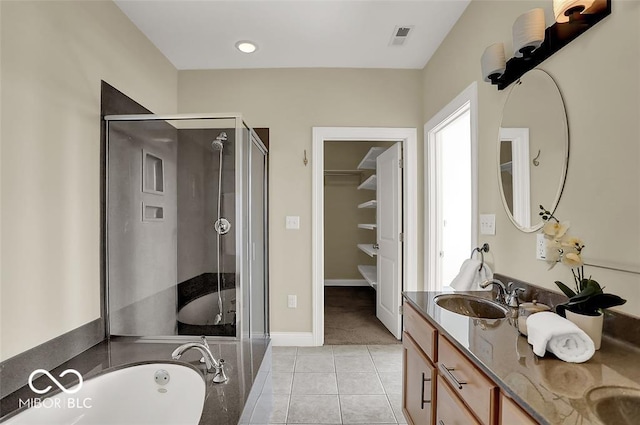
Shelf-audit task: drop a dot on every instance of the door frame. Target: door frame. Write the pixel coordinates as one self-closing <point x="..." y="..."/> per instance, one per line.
<point x="409" y="139"/>
<point x="468" y="96"/>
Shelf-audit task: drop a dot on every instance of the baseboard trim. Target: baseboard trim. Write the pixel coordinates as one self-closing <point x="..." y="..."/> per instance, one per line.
<point x="292" y="339"/>
<point x="345" y="282"/>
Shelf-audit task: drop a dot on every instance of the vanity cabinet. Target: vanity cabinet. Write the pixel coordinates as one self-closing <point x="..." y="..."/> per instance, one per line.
<point x="419" y="385"/>
<point x="442" y="386"/>
<point x="468" y="383"/>
<point x="450" y="410"/>
<point x="511" y="413"/>
<point x="419" y="349"/>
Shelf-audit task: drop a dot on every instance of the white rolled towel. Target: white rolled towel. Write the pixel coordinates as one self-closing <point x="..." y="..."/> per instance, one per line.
<point x="550" y="332"/>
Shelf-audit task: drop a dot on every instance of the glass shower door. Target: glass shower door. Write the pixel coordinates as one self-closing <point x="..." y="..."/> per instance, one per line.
<point x="258" y="323"/>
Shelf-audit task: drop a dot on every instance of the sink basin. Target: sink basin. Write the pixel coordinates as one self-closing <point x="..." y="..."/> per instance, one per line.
<point x="615" y="405"/>
<point x="471" y="306"/>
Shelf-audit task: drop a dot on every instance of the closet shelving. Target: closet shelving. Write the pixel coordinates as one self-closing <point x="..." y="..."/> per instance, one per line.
<point x="369" y="184"/>
<point x="369" y="204"/>
<point x="368" y="226"/>
<point x="368" y="249"/>
<point x="369" y="272"/>
<point x="369" y="160"/>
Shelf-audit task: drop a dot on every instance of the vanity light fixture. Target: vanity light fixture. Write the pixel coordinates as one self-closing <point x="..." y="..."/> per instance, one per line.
<point x="493" y="62"/>
<point x="533" y="44"/>
<point x="528" y="32"/>
<point x="246" y="46"/>
<point x="567" y="10"/>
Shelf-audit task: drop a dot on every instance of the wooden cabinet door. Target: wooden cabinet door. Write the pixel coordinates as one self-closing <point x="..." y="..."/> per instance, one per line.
<point x="511" y="413"/>
<point x="418" y="384"/>
<point x="450" y="410"/>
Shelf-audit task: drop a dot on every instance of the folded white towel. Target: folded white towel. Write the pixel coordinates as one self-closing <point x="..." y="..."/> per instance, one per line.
<point x="550" y="332"/>
<point x="471" y="276"/>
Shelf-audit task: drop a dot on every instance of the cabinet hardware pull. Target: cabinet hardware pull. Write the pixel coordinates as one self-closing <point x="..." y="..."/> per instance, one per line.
<point x="447" y="372"/>
<point x="424" y="379"/>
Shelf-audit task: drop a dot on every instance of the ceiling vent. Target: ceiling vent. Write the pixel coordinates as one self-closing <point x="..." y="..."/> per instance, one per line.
<point x="400" y="35"/>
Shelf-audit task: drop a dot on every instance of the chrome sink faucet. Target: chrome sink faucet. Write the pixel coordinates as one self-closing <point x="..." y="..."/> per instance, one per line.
<point x="207" y="358"/>
<point x="506" y="294"/>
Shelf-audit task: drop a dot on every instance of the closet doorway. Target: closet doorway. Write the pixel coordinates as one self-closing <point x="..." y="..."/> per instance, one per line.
<point x="362" y="238"/>
<point x="355" y="175"/>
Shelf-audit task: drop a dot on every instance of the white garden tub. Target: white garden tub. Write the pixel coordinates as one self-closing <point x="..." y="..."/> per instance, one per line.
<point x="150" y="393"/>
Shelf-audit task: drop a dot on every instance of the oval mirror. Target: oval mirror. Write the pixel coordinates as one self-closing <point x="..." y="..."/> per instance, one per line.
<point x="533" y="149"/>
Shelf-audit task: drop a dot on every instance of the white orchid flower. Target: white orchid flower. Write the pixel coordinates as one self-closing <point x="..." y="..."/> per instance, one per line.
<point x="572" y="244"/>
<point x="555" y="229"/>
<point x="572" y="259"/>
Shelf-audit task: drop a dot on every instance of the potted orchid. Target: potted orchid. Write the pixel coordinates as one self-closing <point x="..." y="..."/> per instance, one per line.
<point x="587" y="300"/>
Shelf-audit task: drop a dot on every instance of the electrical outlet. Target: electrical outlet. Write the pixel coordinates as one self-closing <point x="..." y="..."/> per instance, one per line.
<point x="292" y="301"/>
<point x="541" y="247"/>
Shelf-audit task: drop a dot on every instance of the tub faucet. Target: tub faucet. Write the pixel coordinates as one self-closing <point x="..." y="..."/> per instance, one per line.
<point x="207" y="358"/>
<point x="506" y="295"/>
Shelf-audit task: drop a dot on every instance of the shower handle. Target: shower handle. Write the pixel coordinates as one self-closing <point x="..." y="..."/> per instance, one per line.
<point x="222" y="226"/>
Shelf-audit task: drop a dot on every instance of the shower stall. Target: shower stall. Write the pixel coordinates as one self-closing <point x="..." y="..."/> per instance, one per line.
<point x="186" y="234"/>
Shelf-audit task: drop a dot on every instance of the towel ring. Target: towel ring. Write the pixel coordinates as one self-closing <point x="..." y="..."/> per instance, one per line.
<point x="484" y="248"/>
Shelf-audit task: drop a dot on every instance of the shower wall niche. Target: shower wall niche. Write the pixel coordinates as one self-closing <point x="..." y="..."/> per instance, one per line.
<point x="181" y="216"/>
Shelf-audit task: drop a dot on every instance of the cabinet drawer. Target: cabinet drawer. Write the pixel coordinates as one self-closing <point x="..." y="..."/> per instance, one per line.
<point x="418" y="384"/>
<point x="421" y="331"/>
<point x="450" y="411"/>
<point x="511" y="413"/>
<point x="471" y="385"/>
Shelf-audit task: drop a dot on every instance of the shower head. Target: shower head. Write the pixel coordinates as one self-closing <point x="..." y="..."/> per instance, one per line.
<point x="217" y="143"/>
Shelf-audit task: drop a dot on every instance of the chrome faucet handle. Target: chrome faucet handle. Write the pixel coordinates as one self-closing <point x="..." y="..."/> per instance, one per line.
<point x="220" y="377"/>
<point x="512" y="296"/>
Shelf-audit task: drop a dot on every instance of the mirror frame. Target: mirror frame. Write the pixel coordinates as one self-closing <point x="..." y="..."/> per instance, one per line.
<point x="563" y="177"/>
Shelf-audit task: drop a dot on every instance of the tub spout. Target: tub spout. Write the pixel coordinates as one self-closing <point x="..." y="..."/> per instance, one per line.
<point x="213" y="365"/>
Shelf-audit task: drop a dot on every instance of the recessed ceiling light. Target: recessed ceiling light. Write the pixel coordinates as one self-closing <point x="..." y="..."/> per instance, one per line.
<point x="246" y="46"/>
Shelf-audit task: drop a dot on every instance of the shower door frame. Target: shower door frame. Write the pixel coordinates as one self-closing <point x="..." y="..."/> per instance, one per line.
<point x="241" y="280"/>
<point x="254" y="140"/>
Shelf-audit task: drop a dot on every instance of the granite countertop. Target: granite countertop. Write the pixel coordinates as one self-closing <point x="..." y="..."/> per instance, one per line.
<point x="223" y="403"/>
<point x="552" y="391"/>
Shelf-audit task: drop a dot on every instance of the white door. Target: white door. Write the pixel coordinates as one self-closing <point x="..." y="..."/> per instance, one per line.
<point x="389" y="222"/>
<point x="454" y="197"/>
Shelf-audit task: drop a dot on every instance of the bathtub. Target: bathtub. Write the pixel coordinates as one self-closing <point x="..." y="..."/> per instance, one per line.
<point x="197" y="317"/>
<point x="144" y="393"/>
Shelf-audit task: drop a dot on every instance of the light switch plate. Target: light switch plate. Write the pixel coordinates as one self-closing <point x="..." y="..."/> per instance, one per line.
<point x="487" y="224"/>
<point x="292" y="301"/>
<point x="292" y="222"/>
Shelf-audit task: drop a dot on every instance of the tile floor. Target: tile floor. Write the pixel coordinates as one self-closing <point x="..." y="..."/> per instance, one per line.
<point x="339" y="384"/>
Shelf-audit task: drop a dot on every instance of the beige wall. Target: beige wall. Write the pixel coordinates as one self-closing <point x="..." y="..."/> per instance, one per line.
<point x="54" y="55"/>
<point x="598" y="77"/>
<point x="290" y="102"/>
